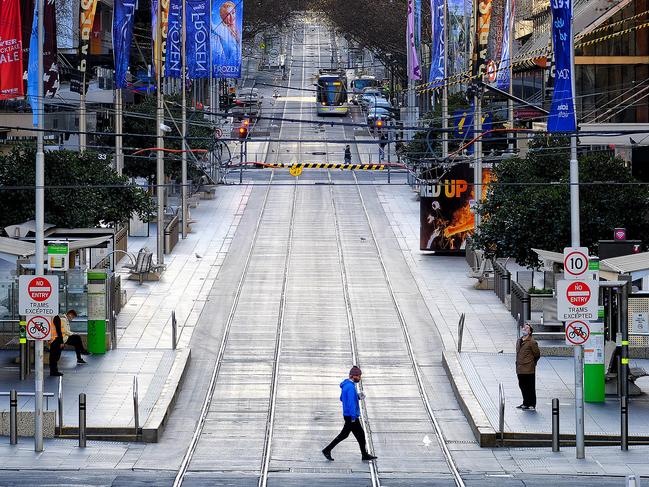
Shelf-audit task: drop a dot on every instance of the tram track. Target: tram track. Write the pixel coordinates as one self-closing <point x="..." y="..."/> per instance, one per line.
<point x="209" y="397"/>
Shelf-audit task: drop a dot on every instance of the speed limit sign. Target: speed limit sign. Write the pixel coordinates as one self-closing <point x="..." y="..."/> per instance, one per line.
<point x="575" y="262"/>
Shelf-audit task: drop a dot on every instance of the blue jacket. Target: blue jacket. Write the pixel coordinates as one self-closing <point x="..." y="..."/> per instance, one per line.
<point x="349" y="398"/>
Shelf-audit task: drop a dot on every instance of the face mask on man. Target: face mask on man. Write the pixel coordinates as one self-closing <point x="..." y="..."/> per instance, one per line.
<point x="524" y="332"/>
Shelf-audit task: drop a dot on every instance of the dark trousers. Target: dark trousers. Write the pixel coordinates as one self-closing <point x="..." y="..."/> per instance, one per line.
<point x="527" y="383"/>
<point x="350" y="427"/>
<point x="56" y="347"/>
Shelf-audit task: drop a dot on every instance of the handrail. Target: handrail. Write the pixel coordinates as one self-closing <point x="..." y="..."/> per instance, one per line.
<point x="46" y="395"/>
<point x="501" y="414"/>
<point x="111" y="253"/>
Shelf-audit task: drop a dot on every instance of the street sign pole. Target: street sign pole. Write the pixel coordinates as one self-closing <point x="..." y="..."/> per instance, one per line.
<point x="40" y="232"/>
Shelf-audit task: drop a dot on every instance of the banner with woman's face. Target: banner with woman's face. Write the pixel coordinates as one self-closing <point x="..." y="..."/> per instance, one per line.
<point x="227" y="27"/>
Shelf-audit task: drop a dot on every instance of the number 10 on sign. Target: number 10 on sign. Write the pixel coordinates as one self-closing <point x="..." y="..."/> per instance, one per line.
<point x="575" y="262"/>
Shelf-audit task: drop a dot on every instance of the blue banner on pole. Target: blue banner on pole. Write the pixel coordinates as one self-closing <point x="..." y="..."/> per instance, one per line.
<point x="438" y="47"/>
<point x="227" y="27"/>
<point x="32" y="69"/>
<point x="503" y="76"/>
<point x="417" y="23"/>
<point x="173" y="59"/>
<point x="198" y="39"/>
<point x="562" y="110"/>
<point x="123" y="21"/>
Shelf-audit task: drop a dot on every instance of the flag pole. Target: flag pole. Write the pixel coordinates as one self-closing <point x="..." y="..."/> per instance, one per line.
<point x="160" y="174"/>
<point x="40" y="232"/>
<point x="183" y="78"/>
<point x="510" y="101"/>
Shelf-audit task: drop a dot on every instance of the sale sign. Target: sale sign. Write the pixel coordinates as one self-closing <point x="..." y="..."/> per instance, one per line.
<point x="11" y="51"/>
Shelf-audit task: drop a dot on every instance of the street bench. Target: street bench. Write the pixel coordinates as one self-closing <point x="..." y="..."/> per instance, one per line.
<point x="143" y="266"/>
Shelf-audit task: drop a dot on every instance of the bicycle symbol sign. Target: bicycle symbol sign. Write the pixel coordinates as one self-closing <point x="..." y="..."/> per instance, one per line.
<point x="577" y="332"/>
<point x="38" y="328"/>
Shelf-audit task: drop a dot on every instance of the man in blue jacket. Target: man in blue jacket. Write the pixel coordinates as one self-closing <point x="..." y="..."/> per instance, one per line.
<point x="351" y="412"/>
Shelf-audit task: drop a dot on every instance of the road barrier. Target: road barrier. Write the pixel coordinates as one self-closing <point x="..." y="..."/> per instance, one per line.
<point x="502" y="281"/>
<point x="521" y="304"/>
<point x="326" y="165"/>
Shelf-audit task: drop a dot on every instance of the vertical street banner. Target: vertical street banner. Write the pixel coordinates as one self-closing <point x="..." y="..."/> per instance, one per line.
<point x="11" y="51"/>
<point x="437" y="48"/>
<point x="198" y="38"/>
<point x="417" y="23"/>
<point x="164" y="25"/>
<point x="562" y="109"/>
<point x="227" y="27"/>
<point x="87" y="9"/>
<point x="173" y="57"/>
<point x="32" y="77"/>
<point x="123" y="21"/>
<point x="481" y="43"/>
<point x="50" y="54"/>
<point x="458" y="48"/>
<point x="414" y="72"/>
<point x="502" y="78"/>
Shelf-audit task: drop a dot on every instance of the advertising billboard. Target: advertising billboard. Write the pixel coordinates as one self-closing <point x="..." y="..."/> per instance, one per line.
<point x="446" y="216"/>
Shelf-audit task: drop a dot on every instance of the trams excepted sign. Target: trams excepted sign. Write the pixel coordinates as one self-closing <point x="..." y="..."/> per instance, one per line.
<point x="577" y="300"/>
<point x="39" y="328"/>
<point x="575" y="262"/>
<point x="577" y="332"/>
<point x="38" y="296"/>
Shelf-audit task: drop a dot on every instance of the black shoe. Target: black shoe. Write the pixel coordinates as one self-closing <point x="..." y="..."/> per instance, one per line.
<point x="327" y="455"/>
<point x="367" y="457"/>
<point x="81" y="361"/>
<point x="520" y="406"/>
<point x="531" y="408"/>
<point x="56" y="374"/>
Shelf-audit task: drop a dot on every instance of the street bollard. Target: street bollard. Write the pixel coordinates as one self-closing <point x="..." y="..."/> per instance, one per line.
<point x="624" y="423"/>
<point x="174" y="340"/>
<point x="501" y="414"/>
<point x="13" y="417"/>
<point x="60" y="409"/>
<point x="136" y="407"/>
<point x="632" y="481"/>
<point x="555" y="425"/>
<point x="460" y="333"/>
<point x="82" y="420"/>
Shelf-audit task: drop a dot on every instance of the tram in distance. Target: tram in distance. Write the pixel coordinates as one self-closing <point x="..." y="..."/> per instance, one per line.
<point x="331" y="93"/>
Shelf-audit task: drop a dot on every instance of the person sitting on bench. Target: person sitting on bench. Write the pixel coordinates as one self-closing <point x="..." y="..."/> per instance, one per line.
<point x="61" y="337"/>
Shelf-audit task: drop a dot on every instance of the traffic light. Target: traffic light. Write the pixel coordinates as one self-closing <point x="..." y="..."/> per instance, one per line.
<point x="379" y="123"/>
<point x="243" y="132"/>
<point x="245" y="122"/>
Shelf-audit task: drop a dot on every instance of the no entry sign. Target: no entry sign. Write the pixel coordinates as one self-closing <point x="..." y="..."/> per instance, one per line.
<point x="38" y="295"/>
<point x="577" y="332"/>
<point x="577" y="300"/>
<point x="39" y="328"/>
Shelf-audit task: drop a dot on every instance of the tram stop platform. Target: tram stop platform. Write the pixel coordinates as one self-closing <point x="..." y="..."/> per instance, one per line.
<point x="108" y="382"/>
<point x="475" y="378"/>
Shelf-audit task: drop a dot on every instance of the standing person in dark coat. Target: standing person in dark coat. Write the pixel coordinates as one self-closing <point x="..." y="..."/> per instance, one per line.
<point x="527" y="355"/>
<point x="351" y="413"/>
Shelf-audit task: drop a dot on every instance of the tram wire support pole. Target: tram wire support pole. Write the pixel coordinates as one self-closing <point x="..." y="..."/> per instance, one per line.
<point x="39" y="241"/>
<point x="160" y="170"/>
<point x="184" y="189"/>
<point x="624" y="363"/>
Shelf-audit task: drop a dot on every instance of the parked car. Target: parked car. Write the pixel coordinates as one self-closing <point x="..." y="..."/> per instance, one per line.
<point x="246" y="104"/>
<point x="368" y="95"/>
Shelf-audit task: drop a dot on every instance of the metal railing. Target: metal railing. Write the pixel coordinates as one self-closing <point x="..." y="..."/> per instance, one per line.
<point x="521" y="308"/>
<point x="46" y="395"/>
<point x="501" y="414"/>
<point x="502" y="281"/>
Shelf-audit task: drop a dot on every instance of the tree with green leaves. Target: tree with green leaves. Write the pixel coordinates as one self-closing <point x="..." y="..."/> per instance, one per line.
<point x="528" y="204"/>
<point x="81" y="190"/>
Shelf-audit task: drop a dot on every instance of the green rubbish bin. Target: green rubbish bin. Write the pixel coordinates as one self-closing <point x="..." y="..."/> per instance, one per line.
<point x="97" y="312"/>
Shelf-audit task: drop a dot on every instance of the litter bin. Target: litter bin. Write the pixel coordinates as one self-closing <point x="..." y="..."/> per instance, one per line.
<point x="97" y="312"/>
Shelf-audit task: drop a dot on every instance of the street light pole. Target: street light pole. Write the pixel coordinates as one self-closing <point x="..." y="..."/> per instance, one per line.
<point x="160" y="173"/>
<point x="40" y="232"/>
<point x="445" y="87"/>
<point x="184" y="123"/>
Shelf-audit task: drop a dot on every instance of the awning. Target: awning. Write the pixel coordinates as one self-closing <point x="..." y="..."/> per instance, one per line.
<point x="549" y="256"/>
<point x="22" y="230"/>
<point x="636" y="265"/>
<point x="16" y="248"/>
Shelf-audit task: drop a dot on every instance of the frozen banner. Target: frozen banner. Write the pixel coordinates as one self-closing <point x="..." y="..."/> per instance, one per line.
<point x="481" y="44"/>
<point x="87" y="10"/>
<point x="562" y="110"/>
<point x="227" y="26"/>
<point x="11" y="51"/>
<point x="198" y="37"/>
<point x="173" y="59"/>
<point x="123" y="21"/>
<point x="438" y="47"/>
<point x="414" y="70"/>
<point x="503" y="77"/>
